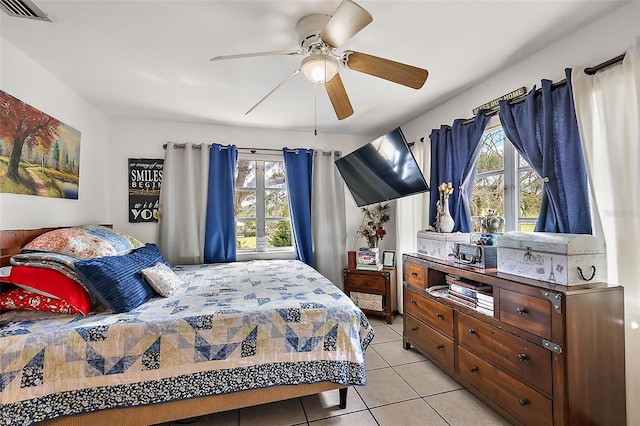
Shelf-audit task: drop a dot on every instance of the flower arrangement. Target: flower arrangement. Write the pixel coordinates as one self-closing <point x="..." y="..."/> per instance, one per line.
<point x="372" y="224"/>
<point x="446" y="189"/>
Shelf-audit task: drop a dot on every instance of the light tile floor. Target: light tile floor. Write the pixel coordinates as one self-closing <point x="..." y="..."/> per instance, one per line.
<point x="403" y="389"/>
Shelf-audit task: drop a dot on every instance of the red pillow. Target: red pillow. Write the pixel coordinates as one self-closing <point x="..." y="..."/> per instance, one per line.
<point x="23" y="299"/>
<point x="50" y="283"/>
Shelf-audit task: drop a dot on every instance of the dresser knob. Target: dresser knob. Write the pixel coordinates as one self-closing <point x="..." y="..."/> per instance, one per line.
<point x="439" y="315"/>
<point x="472" y="331"/>
<point x="413" y="274"/>
<point x="440" y="347"/>
<point x="523" y="401"/>
<point x="521" y="311"/>
<point x="473" y="369"/>
<point x="522" y="357"/>
<point x="413" y="302"/>
<point x="414" y="329"/>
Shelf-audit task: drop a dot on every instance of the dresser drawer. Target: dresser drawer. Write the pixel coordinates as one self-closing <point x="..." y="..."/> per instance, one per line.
<point x="415" y="275"/>
<point x="523" y="402"/>
<point x="526" y="312"/>
<point x="436" y="345"/>
<point x="431" y="312"/>
<point x="366" y="283"/>
<point x="520" y="358"/>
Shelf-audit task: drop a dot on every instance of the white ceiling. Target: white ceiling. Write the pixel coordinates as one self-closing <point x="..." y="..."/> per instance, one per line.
<point x="150" y="59"/>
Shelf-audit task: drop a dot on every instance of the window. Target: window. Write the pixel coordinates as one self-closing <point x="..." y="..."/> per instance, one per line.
<point x="505" y="183"/>
<point x="261" y="206"/>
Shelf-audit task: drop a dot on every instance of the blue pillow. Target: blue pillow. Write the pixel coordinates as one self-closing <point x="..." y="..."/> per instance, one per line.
<point x="116" y="281"/>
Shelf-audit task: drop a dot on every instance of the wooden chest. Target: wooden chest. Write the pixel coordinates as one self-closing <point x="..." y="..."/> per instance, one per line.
<point x="567" y="259"/>
<point x="440" y="245"/>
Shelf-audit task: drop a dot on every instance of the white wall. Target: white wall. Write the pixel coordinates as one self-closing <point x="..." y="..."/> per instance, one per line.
<point x="26" y="80"/>
<point x="135" y="138"/>
<point x="604" y="39"/>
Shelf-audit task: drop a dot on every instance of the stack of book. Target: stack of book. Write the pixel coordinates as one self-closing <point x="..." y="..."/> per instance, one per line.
<point x="368" y="259"/>
<point x="485" y="303"/>
<point x="472" y="294"/>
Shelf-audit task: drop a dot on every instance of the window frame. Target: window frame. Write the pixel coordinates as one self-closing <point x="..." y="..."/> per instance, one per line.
<point x="511" y="181"/>
<point x="261" y="219"/>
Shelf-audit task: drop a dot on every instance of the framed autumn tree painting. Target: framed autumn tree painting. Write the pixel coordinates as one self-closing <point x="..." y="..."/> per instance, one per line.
<point x="39" y="155"/>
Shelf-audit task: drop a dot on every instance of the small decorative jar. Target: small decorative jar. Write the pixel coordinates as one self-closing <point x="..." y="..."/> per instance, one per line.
<point x="492" y="223"/>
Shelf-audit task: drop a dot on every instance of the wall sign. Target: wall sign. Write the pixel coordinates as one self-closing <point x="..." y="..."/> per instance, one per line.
<point x="494" y="103"/>
<point x="145" y="180"/>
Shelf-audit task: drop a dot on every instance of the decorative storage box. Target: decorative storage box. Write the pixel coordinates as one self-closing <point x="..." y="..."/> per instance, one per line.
<point x="440" y="245"/>
<point x="485" y="239"/>
<point x="368" y="301"/>
<point x="479" y="256"/>
<point x="567" y="259"/>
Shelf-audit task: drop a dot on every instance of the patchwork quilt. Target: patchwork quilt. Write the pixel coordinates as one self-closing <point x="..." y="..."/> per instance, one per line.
<point x="230" y="327"/>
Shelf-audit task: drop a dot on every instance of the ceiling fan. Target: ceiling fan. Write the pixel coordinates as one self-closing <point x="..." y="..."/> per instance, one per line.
<point x="319" y="36"/>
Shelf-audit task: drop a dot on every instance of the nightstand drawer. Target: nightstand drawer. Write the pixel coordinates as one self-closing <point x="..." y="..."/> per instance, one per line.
<point x="526" y="312"/>
<point x="415" y="275"/>
<point x="434" y="343"/>
<point x="527" y="405"/>
<point x="433" y="313"/>
<point x="524" y="360"/>
<point x="366" y="283"/>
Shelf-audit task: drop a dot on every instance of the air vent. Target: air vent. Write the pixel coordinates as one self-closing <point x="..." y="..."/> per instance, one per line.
<point x="23" y="9"/>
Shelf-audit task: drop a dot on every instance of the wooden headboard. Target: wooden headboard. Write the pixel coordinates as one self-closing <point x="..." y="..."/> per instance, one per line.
<point x="12" y="241"/>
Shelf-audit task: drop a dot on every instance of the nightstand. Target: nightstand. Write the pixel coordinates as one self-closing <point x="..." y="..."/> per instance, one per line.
<point x="373" y="291"/>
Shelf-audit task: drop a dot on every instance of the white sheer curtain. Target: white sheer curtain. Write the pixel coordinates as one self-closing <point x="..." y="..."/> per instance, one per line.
<point x="183" y="203"/>
<point x="328" y="221"/>
<point x="608" y="112"/>
<point x="412" y="215"/>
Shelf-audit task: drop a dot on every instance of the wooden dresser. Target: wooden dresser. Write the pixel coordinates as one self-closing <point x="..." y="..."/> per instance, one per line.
<point x="381" y="284"/>
<point x="550" y="354"/>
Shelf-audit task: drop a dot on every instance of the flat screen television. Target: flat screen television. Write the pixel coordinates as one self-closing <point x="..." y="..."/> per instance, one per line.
<point x="382" y="170"/>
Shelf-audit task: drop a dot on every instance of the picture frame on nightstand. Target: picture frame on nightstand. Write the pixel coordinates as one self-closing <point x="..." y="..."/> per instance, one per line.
<point x="389" y="259"/>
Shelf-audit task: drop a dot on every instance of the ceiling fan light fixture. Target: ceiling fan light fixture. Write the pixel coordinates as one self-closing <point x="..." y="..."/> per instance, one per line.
<point x="319" y="68"/>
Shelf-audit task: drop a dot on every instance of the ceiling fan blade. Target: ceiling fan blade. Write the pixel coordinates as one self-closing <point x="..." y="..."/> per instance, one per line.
<point x="251" y="55"/>
<point x="339" y="99"/>
<point x="346" y="21"/>
<point x="273" y="90"/>
<point x="396" y="72"/>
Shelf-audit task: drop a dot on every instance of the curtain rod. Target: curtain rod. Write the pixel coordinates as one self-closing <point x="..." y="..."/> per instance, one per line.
<point x="252" y="150"/>
<point x="606" y="64"/>
<point x="266" y="151"/>
<point x="590" y="71"/>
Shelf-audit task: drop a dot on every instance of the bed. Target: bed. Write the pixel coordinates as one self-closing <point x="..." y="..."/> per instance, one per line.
<point x="230" y="336"/>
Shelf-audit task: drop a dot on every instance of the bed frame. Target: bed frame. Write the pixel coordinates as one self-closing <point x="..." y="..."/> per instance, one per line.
<point x="11" y="241"/>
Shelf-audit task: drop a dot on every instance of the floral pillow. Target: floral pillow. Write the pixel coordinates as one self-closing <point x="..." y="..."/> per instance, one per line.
<point x="23" y="299"/>
<point x="48" y="283"/>
<point x="84" y="242"/>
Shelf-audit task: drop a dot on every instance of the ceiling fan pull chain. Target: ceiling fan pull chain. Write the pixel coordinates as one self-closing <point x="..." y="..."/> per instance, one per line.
<point x="315" y="111"/>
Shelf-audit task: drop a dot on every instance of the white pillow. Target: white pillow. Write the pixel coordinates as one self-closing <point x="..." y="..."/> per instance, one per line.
<point x="162" y="279"/>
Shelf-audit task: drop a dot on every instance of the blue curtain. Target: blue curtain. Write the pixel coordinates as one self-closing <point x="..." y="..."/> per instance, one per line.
<point x="298" y="168"/>
<point x="220" y="230"/>
<point x="454" y="152"/>
<point x="544" y="130"/>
